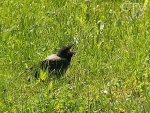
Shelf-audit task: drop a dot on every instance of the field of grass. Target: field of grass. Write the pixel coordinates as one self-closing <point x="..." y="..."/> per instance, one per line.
<point x="110" y="73"/>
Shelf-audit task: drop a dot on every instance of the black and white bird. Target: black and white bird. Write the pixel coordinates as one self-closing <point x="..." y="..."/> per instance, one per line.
<point x="56" y="64"/>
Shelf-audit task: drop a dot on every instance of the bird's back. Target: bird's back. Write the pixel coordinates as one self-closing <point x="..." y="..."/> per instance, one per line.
<point x="54" y="64"/>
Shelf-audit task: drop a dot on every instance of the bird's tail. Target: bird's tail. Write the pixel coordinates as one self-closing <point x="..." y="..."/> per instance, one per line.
<point x="33" y="70"/>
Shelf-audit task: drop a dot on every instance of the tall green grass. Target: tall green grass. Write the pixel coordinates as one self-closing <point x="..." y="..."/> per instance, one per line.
<point x="110" y="73"/>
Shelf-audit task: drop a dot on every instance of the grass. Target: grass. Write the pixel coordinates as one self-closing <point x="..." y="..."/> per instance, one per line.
<point x="110" y="73"/>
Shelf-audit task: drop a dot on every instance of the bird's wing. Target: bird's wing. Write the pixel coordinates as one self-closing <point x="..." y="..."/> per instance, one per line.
<point x="54" y="62"/>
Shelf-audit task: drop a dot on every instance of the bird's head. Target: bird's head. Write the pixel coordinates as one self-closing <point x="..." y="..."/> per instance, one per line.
<point x="65" y="52"/>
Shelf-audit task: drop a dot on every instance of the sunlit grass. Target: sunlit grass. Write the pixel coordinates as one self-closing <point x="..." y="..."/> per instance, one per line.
<point x="110" y="73"/>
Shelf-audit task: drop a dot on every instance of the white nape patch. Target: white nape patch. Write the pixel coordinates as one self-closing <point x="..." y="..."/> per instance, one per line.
<point x="53" y="57"/>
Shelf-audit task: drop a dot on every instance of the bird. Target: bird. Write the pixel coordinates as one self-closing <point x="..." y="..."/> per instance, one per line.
<point x="56" y="64"/>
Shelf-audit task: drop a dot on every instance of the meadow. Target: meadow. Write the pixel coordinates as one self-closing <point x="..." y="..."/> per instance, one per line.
<point x="110" y="73"/>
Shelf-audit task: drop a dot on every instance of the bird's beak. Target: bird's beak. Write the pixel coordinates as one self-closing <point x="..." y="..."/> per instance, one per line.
<point x="72" y="52"/>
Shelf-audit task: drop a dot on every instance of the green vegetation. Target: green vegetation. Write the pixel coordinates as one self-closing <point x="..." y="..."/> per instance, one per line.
<point x="110" y="73"/>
